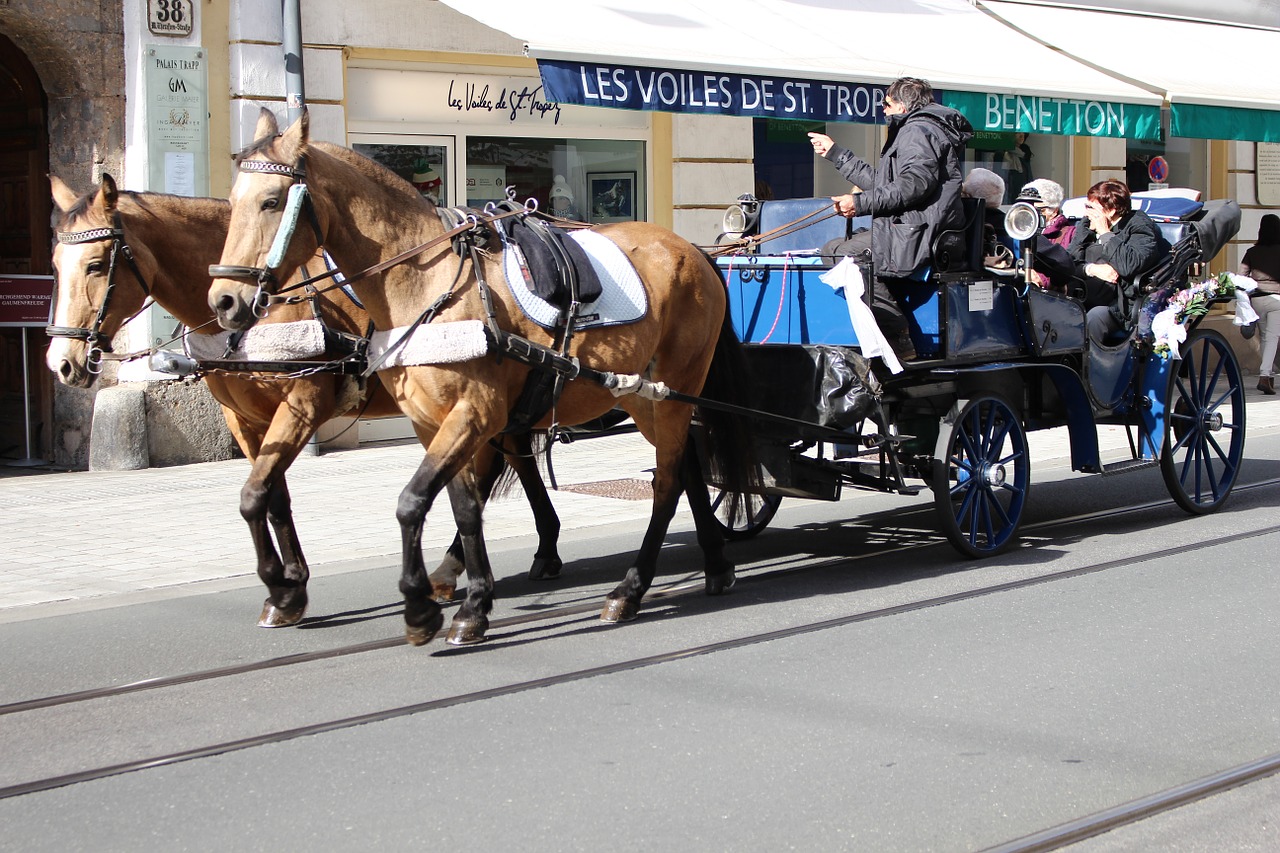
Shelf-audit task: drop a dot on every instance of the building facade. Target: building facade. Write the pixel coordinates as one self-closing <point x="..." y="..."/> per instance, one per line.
<point x="160" y="93"/>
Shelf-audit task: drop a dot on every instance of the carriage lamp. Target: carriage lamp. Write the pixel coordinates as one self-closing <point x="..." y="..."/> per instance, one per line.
<point x="1023" y="221"/>
<point x="740" y="218"/>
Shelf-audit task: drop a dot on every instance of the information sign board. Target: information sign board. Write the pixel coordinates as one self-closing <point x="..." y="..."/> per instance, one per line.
<point x="25" y="300"/>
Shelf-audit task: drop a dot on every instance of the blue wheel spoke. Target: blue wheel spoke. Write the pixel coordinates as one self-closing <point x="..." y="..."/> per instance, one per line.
<point x="1217" y="448"/>
<point x="994" y="500"/>
<point x="1017" y="454"/>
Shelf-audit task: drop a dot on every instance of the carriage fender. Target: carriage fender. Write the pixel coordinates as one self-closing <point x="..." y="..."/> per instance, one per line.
<point x="1082" y="430"/>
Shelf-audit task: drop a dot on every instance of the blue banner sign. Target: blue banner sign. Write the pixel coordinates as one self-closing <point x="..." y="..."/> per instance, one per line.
<point x="630" y="87"/>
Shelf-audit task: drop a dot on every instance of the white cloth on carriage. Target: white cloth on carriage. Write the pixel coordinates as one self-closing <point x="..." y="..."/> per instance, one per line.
<point x="1244" y="307"/>
<point x="847" y="276"/>
<point x="622" y="300"/>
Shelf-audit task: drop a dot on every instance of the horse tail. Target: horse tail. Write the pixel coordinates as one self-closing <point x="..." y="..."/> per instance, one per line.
<point x="508" y="477"/>
<point x="729" y="446"/>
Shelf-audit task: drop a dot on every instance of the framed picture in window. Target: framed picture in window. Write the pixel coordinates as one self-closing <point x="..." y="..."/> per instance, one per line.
<point x="613" y="196"/>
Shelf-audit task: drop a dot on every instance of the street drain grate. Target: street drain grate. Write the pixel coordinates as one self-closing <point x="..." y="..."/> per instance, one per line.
<point x="627" y="489"/>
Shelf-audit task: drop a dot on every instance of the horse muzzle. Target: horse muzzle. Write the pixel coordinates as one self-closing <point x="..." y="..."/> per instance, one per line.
<point x="236" y="306"/>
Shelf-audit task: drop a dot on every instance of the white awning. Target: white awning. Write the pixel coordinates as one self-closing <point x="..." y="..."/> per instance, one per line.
<point x="814" y="45"/>
<point x="1221" y="80"/>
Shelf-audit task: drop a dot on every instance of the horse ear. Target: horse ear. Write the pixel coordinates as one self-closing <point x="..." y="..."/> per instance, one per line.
<point x="108" y="195"/>
<point x="63" y="196"/>
<point x="267" y="126"/>
<point x="293" y="143"/>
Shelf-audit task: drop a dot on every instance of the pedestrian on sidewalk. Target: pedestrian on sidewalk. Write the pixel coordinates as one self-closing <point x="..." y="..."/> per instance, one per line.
<point x="1262" y="264"/>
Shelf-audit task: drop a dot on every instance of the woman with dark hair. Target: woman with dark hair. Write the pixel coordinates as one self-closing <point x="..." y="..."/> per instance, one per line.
<point x="1115" y="245"/>
<point x="1262" y="264"/>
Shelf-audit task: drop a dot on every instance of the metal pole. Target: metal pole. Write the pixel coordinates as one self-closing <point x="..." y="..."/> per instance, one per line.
<point x="294" y="93"/>
<point x="295" y="99"/>
<point x="30" y="461"/>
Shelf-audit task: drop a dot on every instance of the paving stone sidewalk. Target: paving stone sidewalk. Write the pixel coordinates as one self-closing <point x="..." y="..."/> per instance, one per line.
<point x="79" y="536"/>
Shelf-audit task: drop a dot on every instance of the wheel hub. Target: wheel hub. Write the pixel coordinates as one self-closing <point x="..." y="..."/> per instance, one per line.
<point x="1213" y="421"/>
<point x="993" y="476"/>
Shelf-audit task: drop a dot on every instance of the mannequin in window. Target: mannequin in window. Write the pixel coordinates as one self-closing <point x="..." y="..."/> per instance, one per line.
<point x="562" y="199"/>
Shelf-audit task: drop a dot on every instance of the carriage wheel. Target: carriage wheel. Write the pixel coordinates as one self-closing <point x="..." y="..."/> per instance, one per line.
<point x="981" y="476"/>
<point x="754" y="512"/>
<point x="1204" y="439"/>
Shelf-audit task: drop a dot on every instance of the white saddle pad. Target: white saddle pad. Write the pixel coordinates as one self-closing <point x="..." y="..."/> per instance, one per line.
<point x="622" y="299"/>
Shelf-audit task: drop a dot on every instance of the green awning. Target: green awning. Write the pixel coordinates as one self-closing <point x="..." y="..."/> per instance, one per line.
<point x="1061" y="116"/>
<point x="1198" y="121"/>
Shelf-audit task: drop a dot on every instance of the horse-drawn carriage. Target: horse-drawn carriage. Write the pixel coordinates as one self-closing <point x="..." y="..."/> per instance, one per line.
<point x="464" y="355"/>
<point x="998" y="357"/>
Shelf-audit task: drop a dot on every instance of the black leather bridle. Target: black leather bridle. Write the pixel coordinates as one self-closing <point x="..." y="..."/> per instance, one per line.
<point x="264" y="276"/>
<point x="92" y="336"/>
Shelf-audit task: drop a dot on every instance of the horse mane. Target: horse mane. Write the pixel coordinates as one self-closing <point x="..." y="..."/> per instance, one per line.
<point x="372" y="169"/>
<point x="148" y="202"/>
<point x="77" y="211"/>
<point x="261" y="145"/>
<point x="144" y="201"/>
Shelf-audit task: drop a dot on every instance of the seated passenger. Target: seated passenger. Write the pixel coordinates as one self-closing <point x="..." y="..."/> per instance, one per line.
<point x="1113" y="246"/>
<point x="1047" y="197"/>
<point x="987" y="185"/>
<point x="1053" y="267"/>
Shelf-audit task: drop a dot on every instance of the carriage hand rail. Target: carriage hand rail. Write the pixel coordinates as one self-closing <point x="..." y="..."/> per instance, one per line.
<point x="744" y="243"/>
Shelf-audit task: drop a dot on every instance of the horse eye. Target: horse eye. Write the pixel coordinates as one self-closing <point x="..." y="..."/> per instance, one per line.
<point x="270" y="203"/>
<point x="94" y="268"/>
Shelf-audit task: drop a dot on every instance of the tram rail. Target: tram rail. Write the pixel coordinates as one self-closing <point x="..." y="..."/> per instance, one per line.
<point x="667" y="592"/>
<point x="462" y="698"/>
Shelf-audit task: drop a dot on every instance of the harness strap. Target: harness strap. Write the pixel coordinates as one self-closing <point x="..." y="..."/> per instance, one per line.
<point x="426" y="316"/>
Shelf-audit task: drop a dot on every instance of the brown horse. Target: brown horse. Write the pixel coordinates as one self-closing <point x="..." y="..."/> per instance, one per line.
<point x="363" y="214"/>
<point x="172" y="240"/>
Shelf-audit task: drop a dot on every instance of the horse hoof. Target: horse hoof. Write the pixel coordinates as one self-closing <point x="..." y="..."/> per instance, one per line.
<point x="420" y="635"/>
<point x="274" y="617"/>
<point x="545" y="569"/>
<point x="619" y="610"/>
<point x="721" y="584"/>
<point x="467" y="632"/>
<point x="442" y="593"/>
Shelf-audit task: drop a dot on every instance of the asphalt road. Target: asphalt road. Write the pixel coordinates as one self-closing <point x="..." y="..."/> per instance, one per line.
<point x="774" y="718"/>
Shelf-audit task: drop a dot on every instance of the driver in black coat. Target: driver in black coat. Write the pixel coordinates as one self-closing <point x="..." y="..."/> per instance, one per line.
<point x="912" y="193"/>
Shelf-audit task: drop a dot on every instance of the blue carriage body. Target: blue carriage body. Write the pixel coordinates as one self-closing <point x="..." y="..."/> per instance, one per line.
<point x="980" y="334"/>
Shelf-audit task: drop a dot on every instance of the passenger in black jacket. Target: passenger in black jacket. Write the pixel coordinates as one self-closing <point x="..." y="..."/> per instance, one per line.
<point x="912" y="193"/>
<point x="1114" y="245"/>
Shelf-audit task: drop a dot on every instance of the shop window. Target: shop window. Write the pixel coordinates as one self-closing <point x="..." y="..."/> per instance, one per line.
<point x="424" y="166"/>
<point x="592" y="180"/>
<point x="1178" y="162"/>
<point x="784" y="158"/>
<point x="1020" y="158"/>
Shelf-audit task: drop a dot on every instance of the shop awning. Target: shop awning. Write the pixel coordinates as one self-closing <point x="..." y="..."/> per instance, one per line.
<point x="817" y="60"/>
<point x="1220" y="80"/>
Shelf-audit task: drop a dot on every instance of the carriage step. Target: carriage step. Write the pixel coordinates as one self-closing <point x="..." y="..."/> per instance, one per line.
<point x="1128" y="465"/>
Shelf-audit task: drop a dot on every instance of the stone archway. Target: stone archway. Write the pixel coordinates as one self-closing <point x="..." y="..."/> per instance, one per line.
<point x="24" y="248"/>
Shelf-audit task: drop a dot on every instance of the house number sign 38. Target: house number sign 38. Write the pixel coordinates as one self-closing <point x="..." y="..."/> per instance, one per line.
<point x="170" y="17"/>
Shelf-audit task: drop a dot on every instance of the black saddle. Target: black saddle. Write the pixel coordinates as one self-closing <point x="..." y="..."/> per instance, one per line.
<point x="558" y="266"/>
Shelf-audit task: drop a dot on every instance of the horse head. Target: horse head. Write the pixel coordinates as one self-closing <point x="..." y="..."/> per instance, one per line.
<point x="99" y="285"/>
<point x="274" y="225"/>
